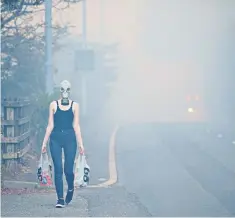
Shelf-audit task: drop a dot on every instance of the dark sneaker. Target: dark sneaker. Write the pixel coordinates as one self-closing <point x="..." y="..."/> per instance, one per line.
<point x="69" y="196"/>
<point x="60" y="203"/>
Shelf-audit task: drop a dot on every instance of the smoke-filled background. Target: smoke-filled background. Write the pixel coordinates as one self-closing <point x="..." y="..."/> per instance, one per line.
<point x="172" y="56"/>
<point x="174" y="59"/>
<point x="175" y="49"/>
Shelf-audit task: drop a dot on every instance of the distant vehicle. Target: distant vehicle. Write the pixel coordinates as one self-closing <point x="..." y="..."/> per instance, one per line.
<point x="195" y="108"/>
<point x="172" y="92"/>
<point x="163" y="92"/>
<point x="188" y="96"/>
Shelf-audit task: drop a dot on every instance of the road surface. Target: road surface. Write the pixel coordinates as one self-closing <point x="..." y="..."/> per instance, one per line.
<point x="178" y="170"/>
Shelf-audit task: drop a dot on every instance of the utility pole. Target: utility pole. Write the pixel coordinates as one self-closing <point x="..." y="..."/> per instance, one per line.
<point x="101" y="21"/>
<point x="84" y="22"/>
<point x="48" y="38"/>
<point x="84" y="42"/>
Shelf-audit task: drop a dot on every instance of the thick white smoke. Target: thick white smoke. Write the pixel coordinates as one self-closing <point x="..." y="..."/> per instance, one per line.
<point x="176" y="48"/>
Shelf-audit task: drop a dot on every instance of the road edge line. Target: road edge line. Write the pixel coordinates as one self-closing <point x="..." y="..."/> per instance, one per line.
<point x="112" y="163"/>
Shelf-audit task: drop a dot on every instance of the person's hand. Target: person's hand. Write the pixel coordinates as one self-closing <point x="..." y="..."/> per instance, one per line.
<point x="81" y="149"/>
<point x="44" y="148"/>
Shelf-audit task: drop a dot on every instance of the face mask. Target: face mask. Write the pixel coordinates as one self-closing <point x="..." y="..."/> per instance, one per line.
<point x="65" y="92"/>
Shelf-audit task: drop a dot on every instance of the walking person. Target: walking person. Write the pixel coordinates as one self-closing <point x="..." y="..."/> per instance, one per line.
<point x="64" y="132"/>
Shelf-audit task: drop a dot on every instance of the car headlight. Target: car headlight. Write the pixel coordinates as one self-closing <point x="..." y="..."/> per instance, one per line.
<point x="191" y="110"/>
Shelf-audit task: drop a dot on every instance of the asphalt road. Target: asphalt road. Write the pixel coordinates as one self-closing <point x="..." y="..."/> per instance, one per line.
<point x="177" y="170"/>
<point x="96" y="136"/>
<point x="93" y="202"/>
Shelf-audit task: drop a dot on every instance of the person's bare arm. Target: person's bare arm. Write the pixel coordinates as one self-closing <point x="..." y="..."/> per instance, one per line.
<point x="76" y="126"/>
<point x="50" y="125"/>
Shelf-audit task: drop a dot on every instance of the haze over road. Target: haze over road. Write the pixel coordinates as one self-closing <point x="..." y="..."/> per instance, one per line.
<point x="177" y="170"/>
